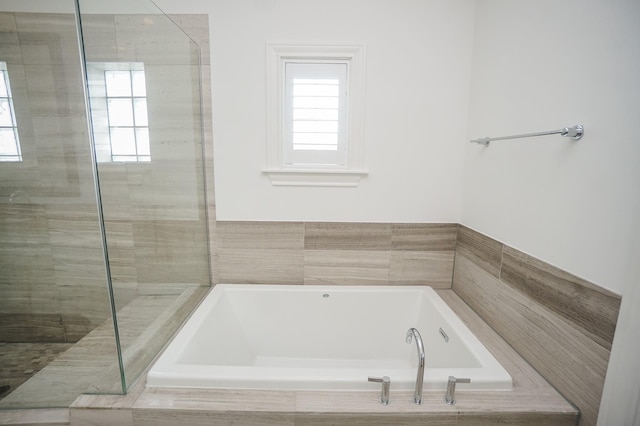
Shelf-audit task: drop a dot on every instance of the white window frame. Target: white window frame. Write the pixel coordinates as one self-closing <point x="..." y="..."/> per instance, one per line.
<point x="281" y="173"/>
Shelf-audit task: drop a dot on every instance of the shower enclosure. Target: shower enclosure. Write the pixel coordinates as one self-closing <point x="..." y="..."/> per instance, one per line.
<point x="103" y="212"/>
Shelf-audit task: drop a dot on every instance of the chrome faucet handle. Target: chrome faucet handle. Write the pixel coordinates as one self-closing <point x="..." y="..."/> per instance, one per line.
<point x="386" y="385"/>
<point x="450" y="396"/>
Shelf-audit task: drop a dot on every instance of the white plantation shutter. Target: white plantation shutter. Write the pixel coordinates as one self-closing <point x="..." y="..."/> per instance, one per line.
<point x="315" y="113"/>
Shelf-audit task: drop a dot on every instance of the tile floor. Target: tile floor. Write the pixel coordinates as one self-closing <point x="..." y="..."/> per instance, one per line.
<point x="21" y="361"/>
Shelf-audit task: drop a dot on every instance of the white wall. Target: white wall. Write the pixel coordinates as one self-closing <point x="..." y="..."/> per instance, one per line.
<point x="546" y="64"/>
<point x="418" y="59"/>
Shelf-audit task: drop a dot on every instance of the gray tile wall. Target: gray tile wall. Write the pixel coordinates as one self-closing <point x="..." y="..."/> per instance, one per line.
<point x="561" y="324"/>
<point x="51" y="263"/>
<point x="52" y="275"/>
<point x="335" y="253"/>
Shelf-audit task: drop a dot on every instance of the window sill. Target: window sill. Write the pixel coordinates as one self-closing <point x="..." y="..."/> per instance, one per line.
<point x="315" y="177"/>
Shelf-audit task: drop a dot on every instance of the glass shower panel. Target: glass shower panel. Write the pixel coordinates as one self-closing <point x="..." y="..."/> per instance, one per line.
<point x="144" y="87"/>
<point x="54" y="303"/>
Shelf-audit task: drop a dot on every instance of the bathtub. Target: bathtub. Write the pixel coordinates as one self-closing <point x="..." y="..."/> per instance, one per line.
<point x="323" y="338"/>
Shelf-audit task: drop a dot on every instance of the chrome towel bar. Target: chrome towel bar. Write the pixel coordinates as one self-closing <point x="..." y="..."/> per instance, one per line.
<point x="574" y="133"/>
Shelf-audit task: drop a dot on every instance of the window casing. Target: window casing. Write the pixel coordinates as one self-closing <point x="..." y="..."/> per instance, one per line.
<point x="9" y="141"/>
<point x="314" y="114"/>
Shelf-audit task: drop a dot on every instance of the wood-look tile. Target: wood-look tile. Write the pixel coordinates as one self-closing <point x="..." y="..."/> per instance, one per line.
<point x="153" y="39"/>
<point x="31" y="328"/>
<point x="426" y="419"/>
<point x="171" y="251"/>
<point x="484" y="251"/>
<point x="45" y="417"/>
<point x="48" y="38"/>
<point x="572" y="362"/>
<point x="347" y="236"/>
<point x="160" y="417"/>
<point x="99" y="37"/>
<point x="225" y="400"/>
<point x="260" y="266"/>
<point x="260" y="235"/>
<point x="591" y="309"/>
<point x="516" y="419"/>
<point x="424" y="236"/>
<point x="346" y="267"/>
<point x="100" y="417"/>
<point x="434" y="269"/>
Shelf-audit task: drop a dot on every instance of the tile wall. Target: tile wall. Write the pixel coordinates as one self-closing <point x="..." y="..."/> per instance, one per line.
<point x="335" y="253"/>
<point x="561" y="324"/>
<point x="52" y="274"/>
<point x="51" y="262"/>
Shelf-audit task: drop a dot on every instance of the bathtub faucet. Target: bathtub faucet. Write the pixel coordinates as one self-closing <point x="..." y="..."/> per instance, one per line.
<point x="417" y="396"/>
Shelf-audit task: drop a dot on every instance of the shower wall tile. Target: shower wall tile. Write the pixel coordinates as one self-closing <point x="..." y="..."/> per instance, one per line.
<point x="153" y="39"/>
<point x="53" y="259"/>
<point x="121" y="249"/>
<point x="48" y="38"/>
<point x="561" y="324"/>
<point x="9" y="41"/>
<point x="99" y="37"/>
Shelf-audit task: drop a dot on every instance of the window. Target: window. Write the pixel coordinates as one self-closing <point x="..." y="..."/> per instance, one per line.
<point x="314" y="114"/>
<point x="127" y="111"/>
<point x="118" y="98"/>
<point x="9" y="141"/>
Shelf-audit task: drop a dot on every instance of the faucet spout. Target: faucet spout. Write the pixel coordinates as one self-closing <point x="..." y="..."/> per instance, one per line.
<point x="412" y="333"/>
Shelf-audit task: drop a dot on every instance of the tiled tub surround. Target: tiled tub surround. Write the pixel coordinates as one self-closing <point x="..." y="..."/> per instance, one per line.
<point x="562" y="325"/>
<point x="531" y="402"/>
<point x="335" y="253"/>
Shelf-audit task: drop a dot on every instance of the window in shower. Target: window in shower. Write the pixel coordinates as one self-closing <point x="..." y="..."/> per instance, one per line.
<point x="9" y="141"/>
<point x="118" y="97"/>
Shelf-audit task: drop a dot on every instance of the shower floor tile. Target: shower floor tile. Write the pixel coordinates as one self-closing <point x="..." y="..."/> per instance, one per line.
<point x="20" y="361"/>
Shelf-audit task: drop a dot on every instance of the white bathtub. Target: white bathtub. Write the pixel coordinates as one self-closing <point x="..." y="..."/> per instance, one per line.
<point x="322" y="337"/>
